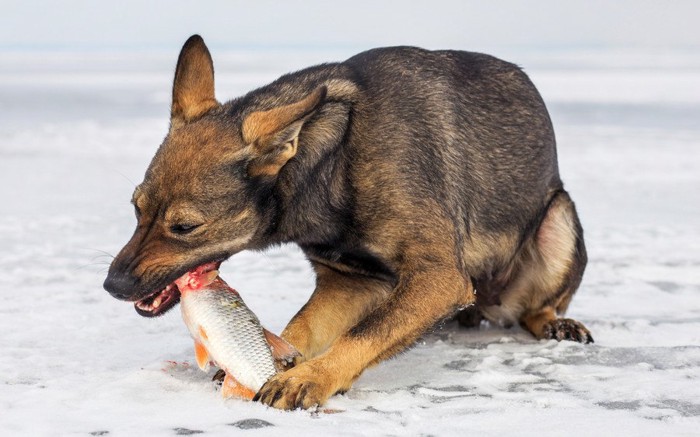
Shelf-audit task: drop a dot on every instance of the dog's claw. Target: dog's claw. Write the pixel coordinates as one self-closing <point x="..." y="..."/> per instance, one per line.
<point x="276" y="397"/>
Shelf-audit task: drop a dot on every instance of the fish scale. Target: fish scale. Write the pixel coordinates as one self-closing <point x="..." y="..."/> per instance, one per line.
<point x="233" y="334"/>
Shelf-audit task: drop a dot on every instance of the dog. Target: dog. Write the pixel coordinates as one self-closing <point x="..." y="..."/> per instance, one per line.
<point x="417" y="183"/>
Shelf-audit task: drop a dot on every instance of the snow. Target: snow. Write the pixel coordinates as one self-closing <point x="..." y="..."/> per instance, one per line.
<point x="77" y="132"/>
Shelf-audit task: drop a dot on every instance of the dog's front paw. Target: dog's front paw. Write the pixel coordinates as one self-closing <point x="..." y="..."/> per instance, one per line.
<point x="567" y="329"/>
<point x="304" y="386"/>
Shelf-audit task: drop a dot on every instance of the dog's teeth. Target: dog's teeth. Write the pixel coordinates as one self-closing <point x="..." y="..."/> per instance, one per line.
<point x="156" y="302"/>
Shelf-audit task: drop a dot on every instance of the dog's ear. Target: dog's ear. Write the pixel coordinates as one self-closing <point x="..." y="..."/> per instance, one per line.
<point x="273" y="135"/>
<point x="193" y="87"/>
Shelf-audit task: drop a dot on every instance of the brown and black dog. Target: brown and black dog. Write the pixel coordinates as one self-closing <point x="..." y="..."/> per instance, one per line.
<point x="418" y="183"/>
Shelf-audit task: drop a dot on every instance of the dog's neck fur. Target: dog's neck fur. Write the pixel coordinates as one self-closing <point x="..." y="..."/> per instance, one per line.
<point x="307" y="202"/>
<point x="308" y="182"/>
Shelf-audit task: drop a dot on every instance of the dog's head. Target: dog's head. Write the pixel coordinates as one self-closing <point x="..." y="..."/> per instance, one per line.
<point x="205" y="195"/>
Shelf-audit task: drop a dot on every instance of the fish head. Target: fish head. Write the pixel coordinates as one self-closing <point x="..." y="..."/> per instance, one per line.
<point x="199" y="278"/>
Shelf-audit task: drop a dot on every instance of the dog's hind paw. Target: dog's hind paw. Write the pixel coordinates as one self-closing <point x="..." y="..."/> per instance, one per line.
<point x="567" y="329"/>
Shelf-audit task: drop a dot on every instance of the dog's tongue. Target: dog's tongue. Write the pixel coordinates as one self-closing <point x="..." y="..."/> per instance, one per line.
<point x="198" y="278"/>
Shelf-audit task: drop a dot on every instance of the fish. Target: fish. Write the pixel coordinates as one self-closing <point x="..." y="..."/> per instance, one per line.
<point x="228" y="333"/>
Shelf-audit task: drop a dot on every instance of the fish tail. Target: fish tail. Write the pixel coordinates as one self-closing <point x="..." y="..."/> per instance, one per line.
<point x="232" y="388"/>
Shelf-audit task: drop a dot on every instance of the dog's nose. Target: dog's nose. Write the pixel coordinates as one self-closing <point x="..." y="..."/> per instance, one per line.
<point x="119" y="285"/>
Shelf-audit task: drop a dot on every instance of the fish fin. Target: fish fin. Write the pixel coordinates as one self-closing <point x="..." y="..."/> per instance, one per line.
<point x="281" y="349"/>
<point x="201" y="355"/>
<point x="232" y="388"/>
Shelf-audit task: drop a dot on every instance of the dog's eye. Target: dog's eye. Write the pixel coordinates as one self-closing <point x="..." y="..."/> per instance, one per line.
<point x="183" y="228"/>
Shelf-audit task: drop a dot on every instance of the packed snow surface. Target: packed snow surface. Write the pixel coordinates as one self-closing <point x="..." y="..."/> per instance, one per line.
<point x="77" y="131"/>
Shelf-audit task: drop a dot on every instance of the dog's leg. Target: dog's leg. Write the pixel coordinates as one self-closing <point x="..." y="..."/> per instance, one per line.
<point x="561" y="261"/>
<point x="428" y="290"/>
<point x="338" y="303"/>
<point x="550" y="271"/>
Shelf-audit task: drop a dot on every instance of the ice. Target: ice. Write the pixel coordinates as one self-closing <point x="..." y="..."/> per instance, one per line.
<point x="78" y="130"/>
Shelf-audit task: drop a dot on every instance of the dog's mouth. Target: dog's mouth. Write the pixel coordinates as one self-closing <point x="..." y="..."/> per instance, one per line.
<point x="161" y="301"/>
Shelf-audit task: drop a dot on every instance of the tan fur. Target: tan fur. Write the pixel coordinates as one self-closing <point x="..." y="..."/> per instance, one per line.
<point x="338" y="303"/>
<point x="386" y="330"/>
<point x="536" y="322"/>
<point x="271" y="163"/>
<point x="483" y="250"/>
<point x="260" y="125"/>
<point x="183" y="212"/>
<point x="562" y="304"/>
<point x="193" y="89"/>
<point x="243" y="215"/>
<point x="349" y="355"/>
<point x="539" y="273"/>
<point x="556" y="240"/>
<point x="273" y="135"/>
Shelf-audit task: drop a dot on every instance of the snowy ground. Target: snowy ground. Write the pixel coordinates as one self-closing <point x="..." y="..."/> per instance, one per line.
<point x="77" y="131"/>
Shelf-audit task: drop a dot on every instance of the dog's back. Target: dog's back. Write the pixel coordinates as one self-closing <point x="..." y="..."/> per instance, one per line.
<point x="466" y="129"/>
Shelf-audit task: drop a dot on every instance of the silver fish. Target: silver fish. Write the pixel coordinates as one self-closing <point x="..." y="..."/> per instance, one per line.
<point x="227" y="332"/>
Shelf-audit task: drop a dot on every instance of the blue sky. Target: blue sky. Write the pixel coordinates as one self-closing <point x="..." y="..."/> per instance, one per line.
<point x="432" y="24"/>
